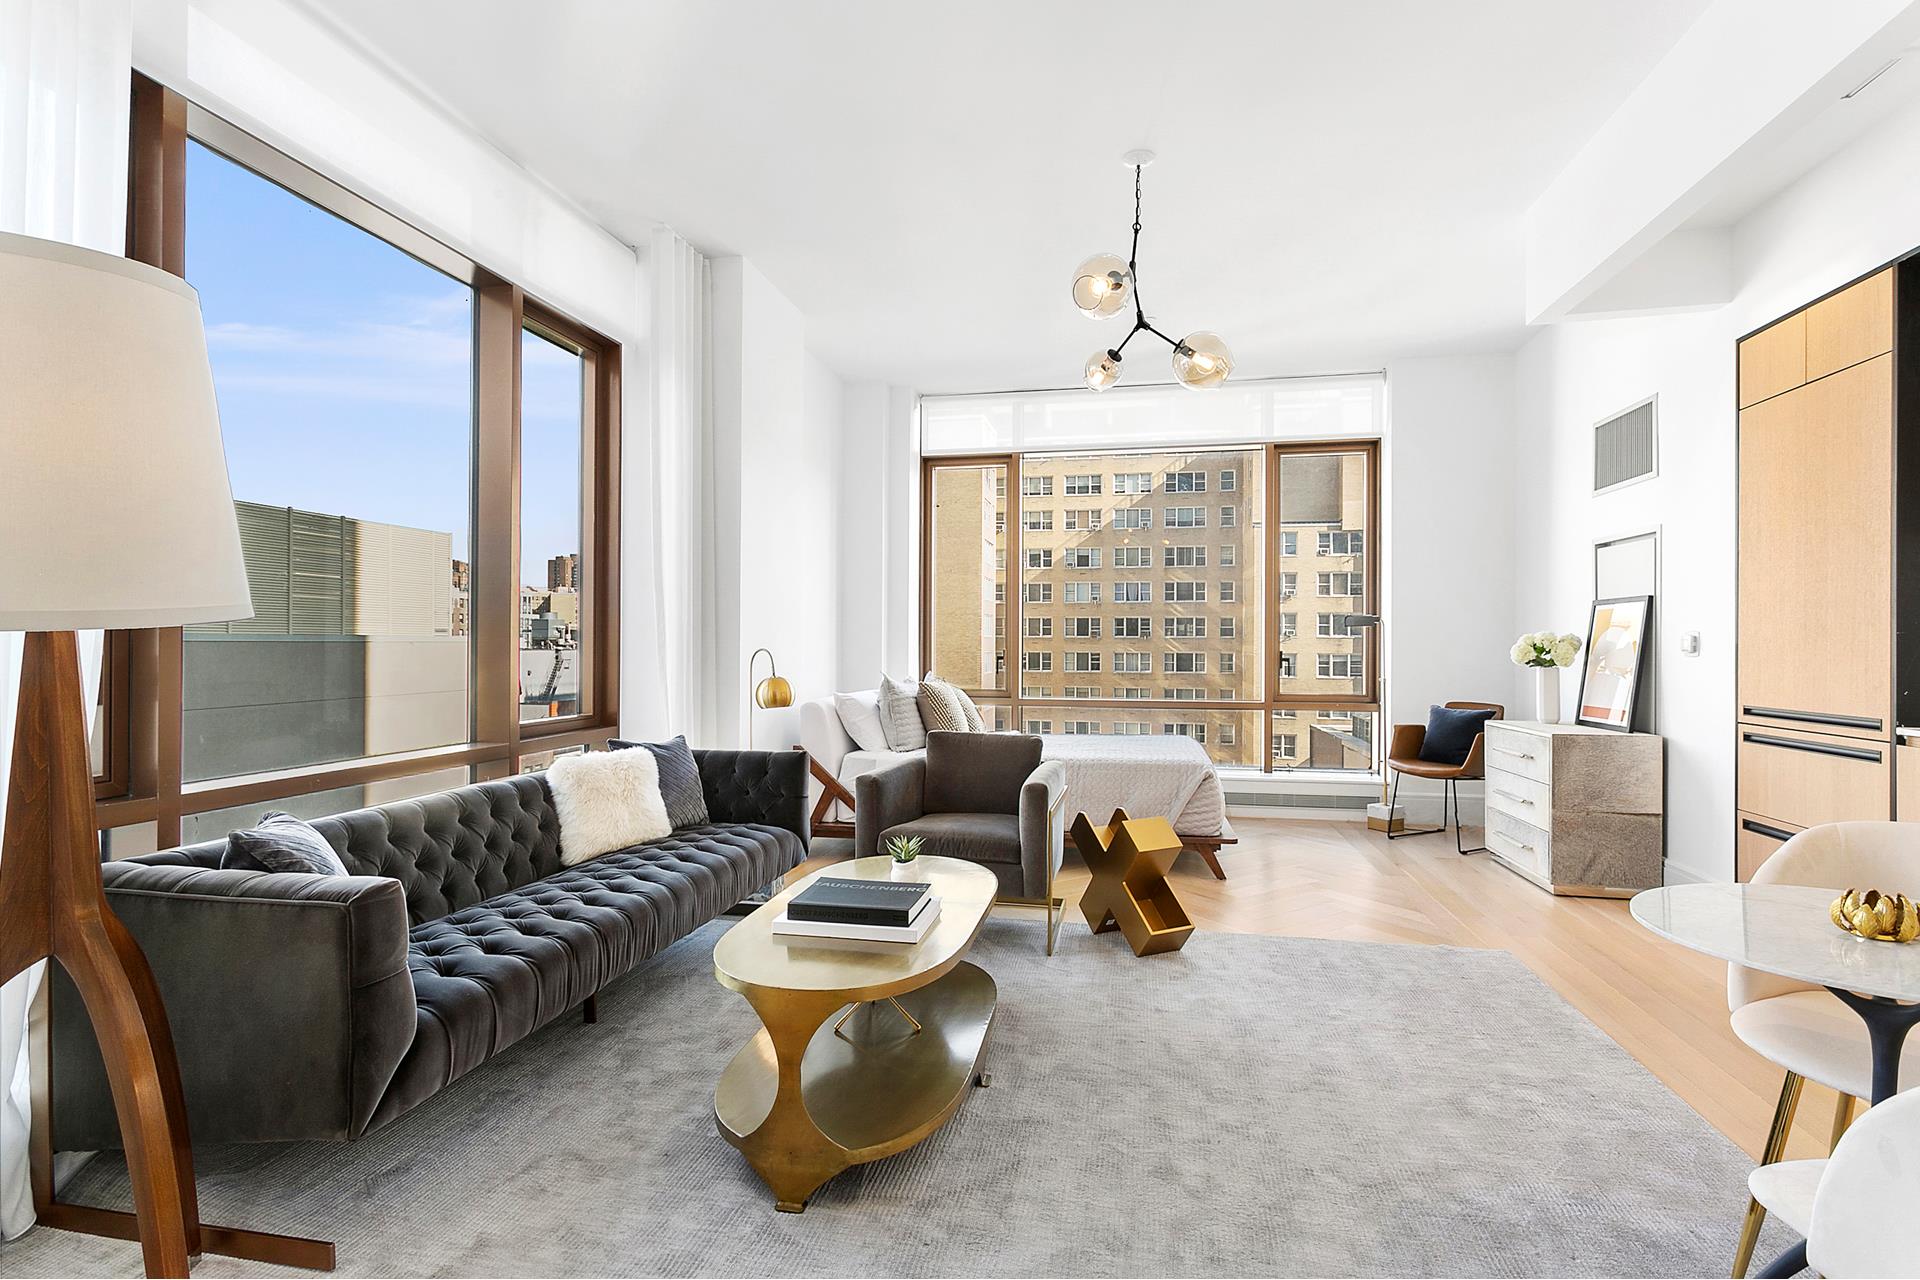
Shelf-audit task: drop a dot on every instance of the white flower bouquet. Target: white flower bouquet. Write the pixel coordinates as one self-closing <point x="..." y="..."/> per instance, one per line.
<point x="1545" y="649"/>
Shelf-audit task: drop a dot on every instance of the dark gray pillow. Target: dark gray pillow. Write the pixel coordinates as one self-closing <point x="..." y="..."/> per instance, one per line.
<point x="281" y="842"/>
<point x="680" y="788"/>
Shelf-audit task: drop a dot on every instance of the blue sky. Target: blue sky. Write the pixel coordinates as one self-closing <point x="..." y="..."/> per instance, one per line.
<point x="344" y="371"/>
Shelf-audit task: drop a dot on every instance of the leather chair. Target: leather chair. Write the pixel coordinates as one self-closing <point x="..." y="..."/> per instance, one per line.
<point x="1802" y="1027"/>
<point x="1403" y="757"/>
<point x="980" y="797"/>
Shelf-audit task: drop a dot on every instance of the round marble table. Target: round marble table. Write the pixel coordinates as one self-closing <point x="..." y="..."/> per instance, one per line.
<point x="1784" y="929"/>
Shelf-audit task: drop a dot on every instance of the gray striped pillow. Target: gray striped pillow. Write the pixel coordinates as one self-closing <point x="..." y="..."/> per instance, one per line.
<point x="680" y="789"/>
<point x="900" y="715"/>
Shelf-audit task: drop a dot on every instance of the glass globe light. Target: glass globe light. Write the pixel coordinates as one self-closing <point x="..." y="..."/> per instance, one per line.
<point x="1102" y="285"/>
<point x="1103" y="369"/>
<point x="1201" y="359"/>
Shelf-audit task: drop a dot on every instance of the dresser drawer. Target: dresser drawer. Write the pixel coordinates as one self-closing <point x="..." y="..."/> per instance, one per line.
<point x="1527" y="799"/>
<point x="1527" y="754"/>
<point x="1754" y="841"/>
<point x="1520" y="843"/>
<point x="1805" y="779"/>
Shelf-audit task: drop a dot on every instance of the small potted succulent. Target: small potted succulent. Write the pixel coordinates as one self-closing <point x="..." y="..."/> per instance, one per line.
<point x="1546" y="653"/>
<point x="903" y="850"/>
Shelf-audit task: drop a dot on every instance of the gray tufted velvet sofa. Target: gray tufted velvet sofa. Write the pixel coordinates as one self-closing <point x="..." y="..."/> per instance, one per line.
<point x="323" y="1007"/>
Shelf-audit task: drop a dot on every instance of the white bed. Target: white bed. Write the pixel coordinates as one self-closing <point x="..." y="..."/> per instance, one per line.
<point x="1146" y="774"/>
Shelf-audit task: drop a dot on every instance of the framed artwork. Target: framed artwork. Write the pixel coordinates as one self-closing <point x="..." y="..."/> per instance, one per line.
<point x="1616" y="656"/>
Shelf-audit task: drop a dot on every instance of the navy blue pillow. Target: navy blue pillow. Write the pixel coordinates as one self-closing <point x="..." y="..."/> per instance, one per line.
<point x="1450" y="734"/>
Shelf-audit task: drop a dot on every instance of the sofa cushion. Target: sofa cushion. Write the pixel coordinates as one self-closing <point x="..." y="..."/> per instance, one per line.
<point x="978" y="772"/>
<point x="975" y="837"/>
<point x="488" y="975"/>
<point x="900" y="714"/>
<point x="607" y="800"/>
<point x="282" y="842"/>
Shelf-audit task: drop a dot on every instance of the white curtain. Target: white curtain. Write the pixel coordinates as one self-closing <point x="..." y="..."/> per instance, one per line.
<point x="65" y="68"/>
<point x="682" y="506"/>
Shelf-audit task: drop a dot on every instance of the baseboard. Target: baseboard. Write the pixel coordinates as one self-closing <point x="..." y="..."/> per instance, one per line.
<point x="1674" y="873"/>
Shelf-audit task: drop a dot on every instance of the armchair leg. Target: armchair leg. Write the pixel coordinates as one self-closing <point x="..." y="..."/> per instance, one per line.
<point x="1453" y="785"/>
<point x="1393" y="803"/>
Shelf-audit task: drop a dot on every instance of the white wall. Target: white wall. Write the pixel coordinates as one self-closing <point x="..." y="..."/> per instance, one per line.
<point x="1448" y="512"/>
<point x="1858" y="209"/>
<point x="776" y="443"/>
<point x="879" y="512"/>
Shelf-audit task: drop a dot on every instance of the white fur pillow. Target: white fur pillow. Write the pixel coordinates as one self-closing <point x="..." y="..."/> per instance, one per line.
<point x="860" y="713"/>
<point x="606" y="800"/>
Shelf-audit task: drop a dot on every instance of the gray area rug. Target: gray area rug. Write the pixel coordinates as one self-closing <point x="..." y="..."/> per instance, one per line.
<point x="1250" y="1105"/>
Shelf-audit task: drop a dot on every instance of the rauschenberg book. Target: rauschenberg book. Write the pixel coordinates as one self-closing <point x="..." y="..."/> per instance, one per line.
<point x="887" y="902"/>
<point x="860" y="936"/>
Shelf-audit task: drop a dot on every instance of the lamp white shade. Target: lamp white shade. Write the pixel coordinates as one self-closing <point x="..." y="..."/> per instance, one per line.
<point x="115" y="509"/>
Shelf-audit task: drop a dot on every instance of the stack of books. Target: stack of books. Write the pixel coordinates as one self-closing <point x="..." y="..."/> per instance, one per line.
<point x="861" y="911"/>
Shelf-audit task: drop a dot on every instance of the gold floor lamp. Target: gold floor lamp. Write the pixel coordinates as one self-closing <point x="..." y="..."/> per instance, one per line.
<point x="772" y="692"/>
<point x="115" y="512"/>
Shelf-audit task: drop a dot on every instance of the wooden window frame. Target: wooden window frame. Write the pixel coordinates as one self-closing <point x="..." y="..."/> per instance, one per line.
<point x="1271" y="611"/>
<point x="143" y="672"/>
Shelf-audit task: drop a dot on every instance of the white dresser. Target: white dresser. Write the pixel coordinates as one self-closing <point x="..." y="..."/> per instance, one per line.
<point x="1576" y="810"/>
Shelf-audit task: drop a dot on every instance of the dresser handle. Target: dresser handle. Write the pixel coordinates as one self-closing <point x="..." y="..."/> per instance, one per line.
<point x="1813" y="717"/>
<point x="1509" y="751"/>
<point x="1502" y="791"/>
<point x="1762" y="829"/>
<point x="1818" y="748"/>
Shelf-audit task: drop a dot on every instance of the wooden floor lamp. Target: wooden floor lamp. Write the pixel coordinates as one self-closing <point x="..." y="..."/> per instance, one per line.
<point x="115" y="512"/>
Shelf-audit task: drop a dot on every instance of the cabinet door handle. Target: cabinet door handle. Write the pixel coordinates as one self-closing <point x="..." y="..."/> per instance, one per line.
<point x="1518" y="799"/>
<point x="1813" y="717"/>
<point x="1762" y="829"/>
<point x="1818" y="748"/>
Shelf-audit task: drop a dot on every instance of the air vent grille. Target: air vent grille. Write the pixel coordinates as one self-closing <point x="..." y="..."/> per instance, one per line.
<point x="1623" y="448"/>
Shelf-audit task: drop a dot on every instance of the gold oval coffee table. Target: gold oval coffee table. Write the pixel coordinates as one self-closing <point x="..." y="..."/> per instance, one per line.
<point x="805" y="1099"/>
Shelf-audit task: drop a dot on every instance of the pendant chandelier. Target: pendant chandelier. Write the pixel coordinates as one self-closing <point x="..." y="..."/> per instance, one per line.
<point x="1106" y="282"/>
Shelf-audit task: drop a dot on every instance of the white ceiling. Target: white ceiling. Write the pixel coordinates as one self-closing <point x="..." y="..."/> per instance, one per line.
<point x="1338" y="184"/>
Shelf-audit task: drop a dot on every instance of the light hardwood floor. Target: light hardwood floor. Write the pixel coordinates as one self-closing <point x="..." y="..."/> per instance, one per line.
<point x="1664" y="1004"/>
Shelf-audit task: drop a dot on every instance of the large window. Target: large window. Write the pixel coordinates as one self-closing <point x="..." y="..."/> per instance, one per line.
<point x="1198" y="614"/>
<point x="367" y="378"/>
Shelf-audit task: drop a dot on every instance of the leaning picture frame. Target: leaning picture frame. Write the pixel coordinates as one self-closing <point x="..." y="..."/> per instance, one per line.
<point x="1616" y="649"/>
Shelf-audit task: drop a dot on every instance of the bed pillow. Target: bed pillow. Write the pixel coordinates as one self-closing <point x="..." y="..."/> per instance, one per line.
<point x="940" y="707"/>
<point x="606" y="800"/>
<point x="860" y="716"/>
<point x="680" y="788"/>
<point x="974" y="722"/>
<point x="900" y="714"/>
<point x="1450" y="733"/>
<point x="281" y="842"/>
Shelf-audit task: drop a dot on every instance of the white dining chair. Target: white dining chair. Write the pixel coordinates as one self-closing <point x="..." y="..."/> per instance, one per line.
<point x="1855" y="1209"/>
<point x="1804" y="1028"/>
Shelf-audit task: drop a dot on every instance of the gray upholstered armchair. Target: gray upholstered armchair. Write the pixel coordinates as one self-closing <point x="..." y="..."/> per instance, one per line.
<point x="981" y="797"/>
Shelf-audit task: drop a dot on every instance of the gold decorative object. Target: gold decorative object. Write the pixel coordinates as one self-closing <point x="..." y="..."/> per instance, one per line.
<point x="1130" y="858"/>
<point x="774" y="691"/>
<point x="1881" y="917"/>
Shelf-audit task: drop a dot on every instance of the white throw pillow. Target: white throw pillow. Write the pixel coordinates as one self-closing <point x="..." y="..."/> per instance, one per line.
<point x="860" y="714"/>
<point x="606" y="800"/>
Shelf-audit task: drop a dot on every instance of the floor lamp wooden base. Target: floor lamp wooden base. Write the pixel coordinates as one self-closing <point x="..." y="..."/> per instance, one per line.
<point x="52" y="905"/>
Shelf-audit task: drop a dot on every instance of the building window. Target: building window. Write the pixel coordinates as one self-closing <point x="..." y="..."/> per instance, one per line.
<point x="1228" y="482"/>
<point x="1132" y="592"/>
<point x="1334" y="624"/>
<point x="1226" y="592"/>
<point x="1039" y="628"/>
<point x="1080" y="691"/>
<point x="1183" y="664"/>
<point x="1039" y="726"/>
<point x="1081" y="557"/>
<point x="1036" y="486"/>
<point x="1185" y="628"/>
<point x="1228" y="735"/>
<point x="1183" y="695"/>
<point x="1185" y="729"/>
<point x="1185" y="557"/>
<point x="1184" y="592"/>
<point x="1289" y="625"/>
<point x="1341" y="584"/>
<point x="1036" y="660"/>
<point x="1082" y="485"/>
<point x="1229" y="517"/>
<point x="1289" y="665"/>
<point x="1227" y="550"/>
<point x="1037" y="521"/>
<point x="1133" y="518"/>
<point x="1185" y="482"/>
<point x="1229" y="626"/>
<point x="1039" y="558"/>
<point x="1289" y="543"/>
<point x="1083" y="519"/>
<point x="1081" y="660"/>
<point x="1082" y="592"/>
<point x="1134" y="693"/>
<point x="1125" y="663"/>
<point x="1185" y="518"/>
<point x="1036" y="691"/>
<point x="1227" y="659"/>
<point x="1285" y="747"/>
<point x="1080" y="726"/>
<point x="1039" y="593"/>
<point x="1133" y="627"/>
<point x="1083" y="629"/>
<point x="1341" y="542"/>
<point x="1289" y="585"/>
<point x="1133" y="482"/>
<point x="1131" y="728"/>
<point x="1133" y="557"/>
<point x="1338" y="666"/>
